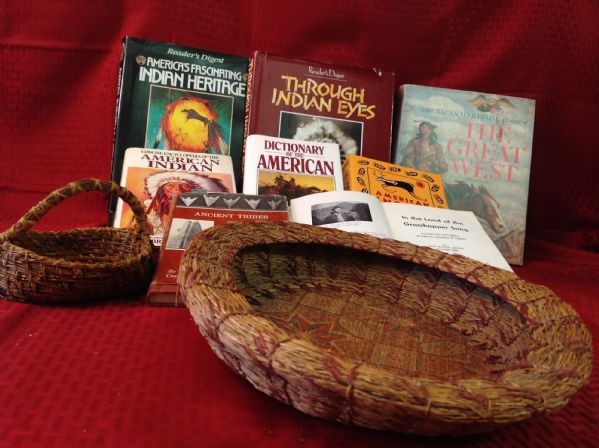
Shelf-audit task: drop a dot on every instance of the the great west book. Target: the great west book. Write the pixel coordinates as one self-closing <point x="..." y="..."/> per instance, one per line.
<point x="179" y="98"/>
<point x="197" y="211"/>
<point x="481" y="144"/>
<point x="323" y="102"/>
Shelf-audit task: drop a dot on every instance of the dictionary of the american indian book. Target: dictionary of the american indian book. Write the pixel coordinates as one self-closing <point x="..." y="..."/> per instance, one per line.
<point x="292" y="168"/>
<point x="180" y="99"/>
<point x="321" y="102"/>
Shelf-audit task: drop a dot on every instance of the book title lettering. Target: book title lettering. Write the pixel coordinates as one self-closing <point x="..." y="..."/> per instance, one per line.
<point x="385" y="196"/>
<point x="186" y="75"/>
<point x="180" y="163"/>
<point x="434" y="223"/>
<point x="485" y="152"/>
<point x="326" y="96"/>
<point x="239" y="215"/>
<point x="292" y="158"/>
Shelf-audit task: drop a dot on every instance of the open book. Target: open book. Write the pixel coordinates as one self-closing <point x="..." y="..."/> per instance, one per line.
<point x="451" y="231"/>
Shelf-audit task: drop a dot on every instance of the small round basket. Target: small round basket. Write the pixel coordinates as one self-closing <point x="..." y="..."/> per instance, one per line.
<point x="75" y="265"/>
<point x="380" y="333"/>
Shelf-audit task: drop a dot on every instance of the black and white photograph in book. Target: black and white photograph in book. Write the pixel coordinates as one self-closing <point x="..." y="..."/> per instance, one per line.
<point x="346" y="133"/>
<point x="335" y="212"/>
<point x="182" y="232"/>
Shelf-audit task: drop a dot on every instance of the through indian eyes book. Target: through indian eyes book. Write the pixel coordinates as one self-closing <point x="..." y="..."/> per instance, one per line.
<point x="481" y="144"/>
<point x="180" y="99"/>
<point x="156" y="176"/>
<point x="318" y="101"/>
<point x="195" y="212"/>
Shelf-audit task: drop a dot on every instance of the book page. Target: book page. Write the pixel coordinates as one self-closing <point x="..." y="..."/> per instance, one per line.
<point x="451" y="231"/>
<point x="345" y="210"/>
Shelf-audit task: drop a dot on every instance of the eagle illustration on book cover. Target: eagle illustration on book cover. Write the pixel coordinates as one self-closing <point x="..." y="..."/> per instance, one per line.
<point x="180" y="120"/>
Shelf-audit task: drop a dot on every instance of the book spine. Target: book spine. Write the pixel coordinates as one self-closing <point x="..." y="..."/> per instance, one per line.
<point x="160" y="285"/>
<point x="395" y="149"/>
<point x="246" y="118"/>
<point x="392" y="107"/>
<point x="115" y="177"/>
<point x="248" y="100"/>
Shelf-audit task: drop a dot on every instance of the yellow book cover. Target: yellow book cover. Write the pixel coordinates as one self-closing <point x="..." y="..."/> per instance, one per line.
<point x="393" y="183"/>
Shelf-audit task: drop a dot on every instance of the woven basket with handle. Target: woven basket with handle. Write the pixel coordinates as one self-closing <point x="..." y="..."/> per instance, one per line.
<point x="381" y="333"/>
<point x="75" y="265"/>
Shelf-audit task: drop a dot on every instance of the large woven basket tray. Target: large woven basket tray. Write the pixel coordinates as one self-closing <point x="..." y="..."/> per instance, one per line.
<point x="380" y="333"/>
<point x="75" y="265"/>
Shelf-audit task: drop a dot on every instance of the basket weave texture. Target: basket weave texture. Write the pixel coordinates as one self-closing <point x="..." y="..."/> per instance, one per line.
<point x="381" y="333"/>
<point x="75" y="265"/>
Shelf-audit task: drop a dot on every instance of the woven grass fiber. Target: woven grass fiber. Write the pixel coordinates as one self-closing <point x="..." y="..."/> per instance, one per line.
<point x="75" y="265"/>
<point x="381" y="333"/>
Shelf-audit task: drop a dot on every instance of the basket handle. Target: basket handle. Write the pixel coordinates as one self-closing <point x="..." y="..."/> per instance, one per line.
<point x="81" y="186"/>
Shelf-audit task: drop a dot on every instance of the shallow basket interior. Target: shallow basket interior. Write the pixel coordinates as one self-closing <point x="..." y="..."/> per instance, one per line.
<point x="392" y="314"/>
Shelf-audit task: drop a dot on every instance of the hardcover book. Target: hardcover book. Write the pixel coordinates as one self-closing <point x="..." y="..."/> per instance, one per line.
<point x="393" y="183"/>
<point x="322" y="102"/>
<point x="155" y="176"/>
<point x="481" y="144"/>
<point x="197" y="211"/>
<point x="450" y="231"/>
<point x="179" y="98"/>
<point x="291" y="168"/>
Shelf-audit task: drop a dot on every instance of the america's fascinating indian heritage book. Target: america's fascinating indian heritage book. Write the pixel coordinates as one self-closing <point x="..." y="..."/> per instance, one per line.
<point x="155" y="176"/>
<point x="179" y="98"/>
<point x="450" y="231"/>
<point x="322" y="102"/>
<point x="481" y="144"/>
<point x="393" y="183"/>
<point x="193" y="212"/>
<point x="292" y="168"/>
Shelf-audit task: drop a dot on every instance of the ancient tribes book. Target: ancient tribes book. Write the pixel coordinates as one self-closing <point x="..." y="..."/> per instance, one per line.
<point x="322" y="102"/>
<point x="291" y="168"/>
<point x="198" y="211"/>
<point x="155" y="176"/>
<point x="481" y="144"/>
<point x="179" y="98"/>
<point x="393" y="183"/>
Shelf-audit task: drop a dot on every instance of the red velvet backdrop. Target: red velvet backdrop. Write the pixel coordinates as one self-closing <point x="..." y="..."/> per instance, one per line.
<point x="121" y="373"/>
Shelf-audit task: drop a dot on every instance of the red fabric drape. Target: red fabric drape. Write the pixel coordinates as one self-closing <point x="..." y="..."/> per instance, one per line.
<point x="121" y="373"/>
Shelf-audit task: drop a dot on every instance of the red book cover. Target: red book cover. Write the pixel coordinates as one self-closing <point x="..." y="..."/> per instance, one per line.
<point x="194" y="212"/>
<point x="319" y="101"/>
